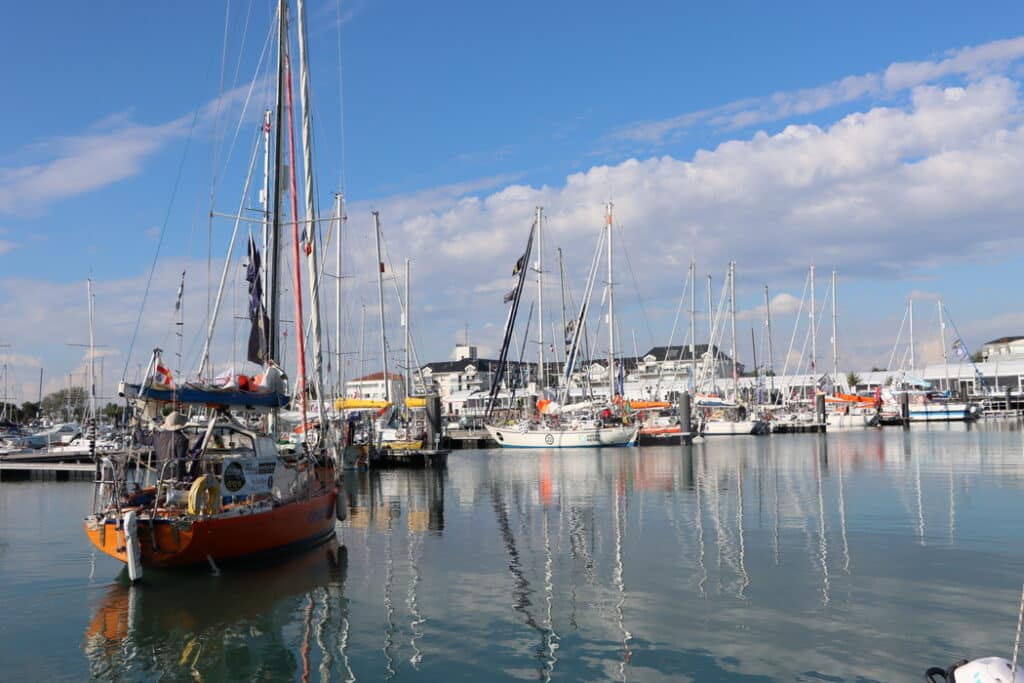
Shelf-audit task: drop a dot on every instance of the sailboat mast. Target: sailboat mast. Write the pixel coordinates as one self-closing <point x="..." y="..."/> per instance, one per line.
<point x="380" y="300"/>
<point x="274" y="238"/>
<point x="910" y="305"/>
<point x="814" y="330"/>
<point x="408" y="334"/>
<point x="835" y="336"/>
<point x="300" y="336"/>
<point x="611" y="311"/>
<point x="362" y="345"/>
<point x="310" y="230"/>
<point x="265" y="195"/>
<point x="942" y="339"/>
<point x="771" y="348"/>
<point x="339" y="208"/>
<point x="92" y="353"/>
<point x="540" y="300"/>
<point x="711" y="334"/>
<point x="693" y="324"/>
<point x="561" y="276"/>
<point x="732" y="319"/>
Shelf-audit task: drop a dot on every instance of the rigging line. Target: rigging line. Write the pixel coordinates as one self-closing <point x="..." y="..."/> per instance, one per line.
<point x="248" y="96"/>
<point x="159" y="243"/>
<point x="220" y="101"/>
<point x="796" y="326"/>
<point x="341" y="99"/>
<point x="672" y="334"/>
<point x="636" y="287"/>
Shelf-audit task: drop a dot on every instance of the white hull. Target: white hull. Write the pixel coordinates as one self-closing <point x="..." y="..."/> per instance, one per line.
<point x="942" y="412"/>
<point x="727" y="428"/>
<point x="588" y="437"/>
<point x="838" y="422"/>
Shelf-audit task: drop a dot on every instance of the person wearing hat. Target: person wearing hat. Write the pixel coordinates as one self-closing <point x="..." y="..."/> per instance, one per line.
<point x="169" y="443"/>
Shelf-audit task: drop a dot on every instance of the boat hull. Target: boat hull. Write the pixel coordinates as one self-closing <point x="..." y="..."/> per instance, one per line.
<point x="181" y="541"/>
<point x="733" y="428"/>
<point x="840" y="422"/>
<point x="942" y="412"/>
<point x="591" y="437"/>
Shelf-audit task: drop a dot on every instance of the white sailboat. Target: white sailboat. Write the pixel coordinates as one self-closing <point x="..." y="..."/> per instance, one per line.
<point x="560" y="425"/>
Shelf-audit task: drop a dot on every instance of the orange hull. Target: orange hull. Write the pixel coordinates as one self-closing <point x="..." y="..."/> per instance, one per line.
<point x="181" y="541"/>
<point x="658" y="431"/>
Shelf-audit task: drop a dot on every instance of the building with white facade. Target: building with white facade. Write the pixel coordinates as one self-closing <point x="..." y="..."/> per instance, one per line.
<point x="372" y="387"/>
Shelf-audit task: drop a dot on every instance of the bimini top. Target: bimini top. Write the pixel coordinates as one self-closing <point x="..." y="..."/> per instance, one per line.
<point x="267" y="390"/>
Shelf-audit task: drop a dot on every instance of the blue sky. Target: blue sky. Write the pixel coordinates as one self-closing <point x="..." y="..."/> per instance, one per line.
<point x="772" y="135"/>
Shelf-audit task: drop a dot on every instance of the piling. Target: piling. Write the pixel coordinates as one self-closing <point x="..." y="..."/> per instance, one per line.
<point x="819" y="412"/>
<point x="905" y="410"/>
<point x="685" y="420"/>
<point x="433" y="407"/>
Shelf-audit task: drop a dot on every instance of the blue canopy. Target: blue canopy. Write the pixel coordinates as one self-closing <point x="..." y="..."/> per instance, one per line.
<point x="205" y="395"/>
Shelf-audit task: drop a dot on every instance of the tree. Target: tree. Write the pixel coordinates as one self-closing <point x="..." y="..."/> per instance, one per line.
<point x="66" y="404"/>
<point x="29" y="411"/>
<point x="852" y="380"/>
<point x="112" y="412"/>
<point x="977" y="357"/>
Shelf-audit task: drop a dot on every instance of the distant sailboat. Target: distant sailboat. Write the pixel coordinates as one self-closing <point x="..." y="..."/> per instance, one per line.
<point x="561" y="424"/>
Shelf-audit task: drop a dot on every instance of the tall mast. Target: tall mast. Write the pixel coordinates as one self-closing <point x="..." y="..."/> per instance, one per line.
<point x="942" y="339"/>
<point x="300" y="336"/>
<point x="771" y="349"/>
<point x="835" y="336"/>
<point x="339" y="208"/>
<point x="274" y="238"/>
<point x="814" y="332"/>
<point x="362" y="346"/>
<point x="408" y="335"/>
<point x="910" y="305"/>
<point x="711" y="335"/>
<point x="265" y="195"/>
<point x="611" y="311"/>
<point x="311" y="225"/>
<point x="380" y="300"/>
<point x="561" y="274"/>
<point x="693" y="324"/>
<point x="541" y="375"/>
<point x="732" y="319"/>
<point x="92" y="353"/>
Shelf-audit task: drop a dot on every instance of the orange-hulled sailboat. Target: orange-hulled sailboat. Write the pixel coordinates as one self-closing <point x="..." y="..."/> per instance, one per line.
<point x="222" y="489"/>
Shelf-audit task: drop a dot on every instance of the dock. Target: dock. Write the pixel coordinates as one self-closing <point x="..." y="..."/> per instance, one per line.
<point x="462" y="439"/>
<point x="47" y="471"/>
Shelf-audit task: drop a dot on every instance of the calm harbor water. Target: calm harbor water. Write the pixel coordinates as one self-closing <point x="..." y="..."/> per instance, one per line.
<point x="860" y="556"/>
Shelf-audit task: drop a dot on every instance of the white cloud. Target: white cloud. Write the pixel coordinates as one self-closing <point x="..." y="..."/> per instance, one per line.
<point x="782" y="305"/>
<point x="880" y="193"/>
<point x="111" y="150"/>
<point x="971" y="62"/>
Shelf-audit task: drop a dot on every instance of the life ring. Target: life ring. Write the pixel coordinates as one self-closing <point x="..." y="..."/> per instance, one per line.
<point x="204" y="496"/>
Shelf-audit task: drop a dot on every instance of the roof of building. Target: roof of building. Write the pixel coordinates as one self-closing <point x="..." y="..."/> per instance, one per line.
<point x="678" y="352"/>
<point x="460" y="365"/>
<point x="1004" y="340"/>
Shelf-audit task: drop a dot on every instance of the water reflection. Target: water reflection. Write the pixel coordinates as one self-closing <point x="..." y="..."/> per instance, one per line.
<point x="235" y="626"/>
<point x="791" y="558"/>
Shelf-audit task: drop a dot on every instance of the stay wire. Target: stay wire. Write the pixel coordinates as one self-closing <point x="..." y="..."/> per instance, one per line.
<point x="160" y="241"/>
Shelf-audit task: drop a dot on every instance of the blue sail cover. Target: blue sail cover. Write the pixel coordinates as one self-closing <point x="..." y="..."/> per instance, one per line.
<point x="199" y="394"/>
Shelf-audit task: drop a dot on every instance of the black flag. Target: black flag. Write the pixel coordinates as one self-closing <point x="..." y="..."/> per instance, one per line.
<point x="257" y="351"/>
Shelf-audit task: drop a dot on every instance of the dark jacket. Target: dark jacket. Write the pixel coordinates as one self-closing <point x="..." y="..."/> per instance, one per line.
<point x="167" y="445"/>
